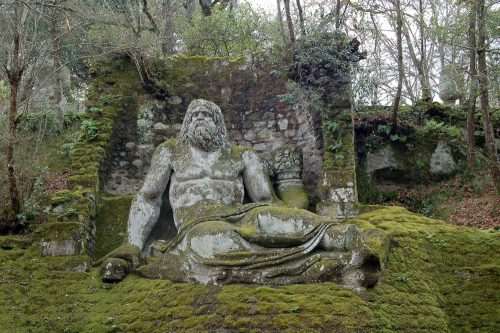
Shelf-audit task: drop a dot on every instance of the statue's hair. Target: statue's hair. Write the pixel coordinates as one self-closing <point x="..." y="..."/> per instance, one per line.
<point x="220" y="136"/>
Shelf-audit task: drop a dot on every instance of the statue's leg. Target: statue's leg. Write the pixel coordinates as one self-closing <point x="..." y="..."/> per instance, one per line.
<point x="283" y="223"/>
<point x="212" y="238"/>
<point x="343" y="237"/>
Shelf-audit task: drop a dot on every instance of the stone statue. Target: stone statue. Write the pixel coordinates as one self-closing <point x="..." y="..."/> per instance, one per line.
<point x="231" y="226"/>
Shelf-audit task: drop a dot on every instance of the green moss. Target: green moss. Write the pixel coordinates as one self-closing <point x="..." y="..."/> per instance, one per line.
<point x="437" y="278"/>
<point x="294" y="196"/>
<point x="111" y="223"/>
<point x="14" y="242"/>
<point x="62" y="231"/>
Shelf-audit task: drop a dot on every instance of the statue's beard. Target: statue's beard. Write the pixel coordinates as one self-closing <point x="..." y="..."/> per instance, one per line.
<point x="204" y="136"/>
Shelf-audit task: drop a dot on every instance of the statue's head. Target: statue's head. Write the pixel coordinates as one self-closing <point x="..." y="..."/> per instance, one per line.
<point x="204" y="126"/>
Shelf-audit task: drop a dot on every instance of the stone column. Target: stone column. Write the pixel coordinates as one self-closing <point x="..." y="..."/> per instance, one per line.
<point x="337" y="186"/>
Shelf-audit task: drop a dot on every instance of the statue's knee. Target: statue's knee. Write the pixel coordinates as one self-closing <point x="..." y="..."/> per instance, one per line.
<point x="211" y="239"/>
<point x="342" y="238"/>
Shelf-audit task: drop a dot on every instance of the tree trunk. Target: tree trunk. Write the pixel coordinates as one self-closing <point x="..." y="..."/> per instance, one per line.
<point x="189" y="6"/>
<point x="337" y="14"/>
<point x="280" y="21"/>
<point x="397" y="98"/>
<point x="484" y="96"/>
<point x="14" y="73"/>
<point x="168" y="38"/>
<point x="57" y="63"/>
<point x="301" y="18"/>
<point x="471" y="105"/>
<point x="419" y="66"/>
<point x="289" y="20"/>
<point x="426" y="87"/>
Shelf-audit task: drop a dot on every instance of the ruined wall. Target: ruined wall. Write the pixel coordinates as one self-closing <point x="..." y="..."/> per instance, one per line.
<point x="247" y="93"/>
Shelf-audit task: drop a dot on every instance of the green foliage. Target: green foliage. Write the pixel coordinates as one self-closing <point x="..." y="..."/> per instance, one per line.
<point x="71" y="117"/>
<point x="90" y="129"/>
<point x="66" y="149"/>
<point x="145" y="119"/>
<point x="321" y="57"/>
<point x="105" y="99"/>
<point x="42" y="121"/>
<point x="234" y="33"/>
<point x="4" y="90"/>
<point x="94" y="110"/>
<point x="30" y="211"/>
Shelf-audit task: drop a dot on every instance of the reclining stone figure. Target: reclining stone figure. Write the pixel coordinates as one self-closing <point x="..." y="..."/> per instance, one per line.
<point x="222" y="239"/>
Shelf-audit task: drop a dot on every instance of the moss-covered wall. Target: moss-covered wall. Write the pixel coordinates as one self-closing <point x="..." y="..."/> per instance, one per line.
<point x="112" y="97"/>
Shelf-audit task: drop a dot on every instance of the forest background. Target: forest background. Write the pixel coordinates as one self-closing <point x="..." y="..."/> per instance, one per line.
<point x="415" y="53"/>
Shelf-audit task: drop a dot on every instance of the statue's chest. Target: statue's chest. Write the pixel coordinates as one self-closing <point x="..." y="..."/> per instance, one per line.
<point x="214" y="165"/>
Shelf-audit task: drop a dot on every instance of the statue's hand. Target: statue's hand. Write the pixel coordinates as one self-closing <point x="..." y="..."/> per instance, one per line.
<point x="119" y="262"/>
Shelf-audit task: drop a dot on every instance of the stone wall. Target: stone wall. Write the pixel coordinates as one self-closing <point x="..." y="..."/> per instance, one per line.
<point x="248" y="96"/>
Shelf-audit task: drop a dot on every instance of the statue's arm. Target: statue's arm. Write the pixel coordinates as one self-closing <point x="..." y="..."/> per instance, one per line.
<point x="255" y="179"/>
<point x="146" y="205"/>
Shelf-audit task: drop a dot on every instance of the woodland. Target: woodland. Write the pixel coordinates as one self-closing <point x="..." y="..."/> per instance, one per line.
<point x="415" y="54"/>
<point x="423" y="77"/>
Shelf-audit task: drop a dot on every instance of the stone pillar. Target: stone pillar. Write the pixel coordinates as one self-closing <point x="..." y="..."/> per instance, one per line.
<point x="337" y="186"/>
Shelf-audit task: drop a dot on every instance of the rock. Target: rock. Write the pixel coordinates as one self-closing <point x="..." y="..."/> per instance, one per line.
<point x="442" y="162"/>
<point x="130" y="145"/>
<point x="283" y="124"/>
<point x="174" y="100"/>
<point x="137" y="163"/>
<point x="114" y="269"/>
<point x="449" y="84"/>
<point x="67" y="247"/>
<point x="160" y="128"/>
<point x="145" y="150"/>
<point x="226" y="94"/>
<point x="381" y="159"/>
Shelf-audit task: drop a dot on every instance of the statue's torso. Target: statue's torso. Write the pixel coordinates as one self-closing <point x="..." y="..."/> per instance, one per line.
<point x="202" y="183"/>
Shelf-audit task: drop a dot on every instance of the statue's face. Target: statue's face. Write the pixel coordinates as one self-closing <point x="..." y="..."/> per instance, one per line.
<point x="204" y="127"/>
<point x="202" y="130"/>
<point x="202" y="116"/>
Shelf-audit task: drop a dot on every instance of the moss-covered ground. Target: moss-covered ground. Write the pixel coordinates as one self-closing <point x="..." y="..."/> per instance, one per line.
<point x="438" y="278"/>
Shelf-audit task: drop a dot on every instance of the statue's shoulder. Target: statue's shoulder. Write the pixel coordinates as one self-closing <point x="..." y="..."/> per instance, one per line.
<point x="237" y="152"/>
<point x="173" y="145"/>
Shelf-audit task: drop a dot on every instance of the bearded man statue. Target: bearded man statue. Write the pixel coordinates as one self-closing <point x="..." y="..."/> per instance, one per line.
<point x="222" y="238"/>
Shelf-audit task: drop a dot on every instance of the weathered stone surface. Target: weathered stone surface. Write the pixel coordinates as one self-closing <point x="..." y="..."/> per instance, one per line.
<point x="67" y="247"/>
<point x="449" y="84"/>
<point x="174" y="100"/>
<point x="381" y="159"/>
<point x="219" y="239"/>
<point x="442" y="162"/>
<point x="114" y="270"/>
<point x="160" y="127"/>
<point x="130" y="145"/>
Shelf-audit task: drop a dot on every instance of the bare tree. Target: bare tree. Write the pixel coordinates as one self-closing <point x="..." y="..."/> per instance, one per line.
<point x="301" y="18"/>
<point x="484" y="95"/>
<point x="14" y="68"/>
<point x="399" y="38"/>
<point x="289" y="21"/>
<point x="168" y="35"/>
<point x="55" y="22"/>
<point x="280" y="20"/>
<point x="471" y="104"/>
